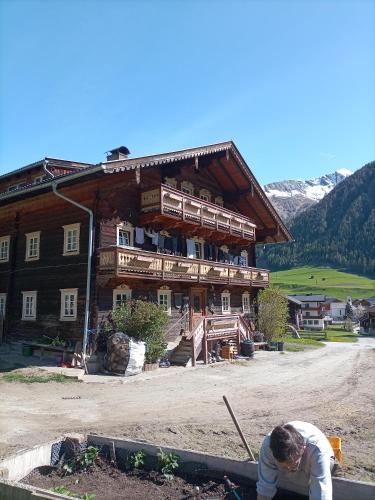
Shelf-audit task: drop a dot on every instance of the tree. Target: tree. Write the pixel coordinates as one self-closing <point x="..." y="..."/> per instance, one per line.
<point x="348" y="316"/>
<point x="272" y="313"/>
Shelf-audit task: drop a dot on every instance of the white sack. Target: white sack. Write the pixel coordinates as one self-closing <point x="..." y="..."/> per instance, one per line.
<point x="136" y="358"/>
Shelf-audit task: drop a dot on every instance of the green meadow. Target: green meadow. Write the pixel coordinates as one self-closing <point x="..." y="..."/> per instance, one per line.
<point x="325" y="281"/>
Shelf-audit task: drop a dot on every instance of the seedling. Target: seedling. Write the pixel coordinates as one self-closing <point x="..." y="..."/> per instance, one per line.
<point x="64" y="491"/>
<point x="137" y="460"/>
<point x="167" y="463"/>
<point x="82" y="461"/>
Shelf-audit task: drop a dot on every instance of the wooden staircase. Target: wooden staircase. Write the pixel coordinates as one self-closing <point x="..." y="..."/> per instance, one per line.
<point x="208" y="328"/>
<point x="182" y="354"/>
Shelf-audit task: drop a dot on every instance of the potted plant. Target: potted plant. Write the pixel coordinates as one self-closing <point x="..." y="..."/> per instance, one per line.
<point x="146" y="322"/>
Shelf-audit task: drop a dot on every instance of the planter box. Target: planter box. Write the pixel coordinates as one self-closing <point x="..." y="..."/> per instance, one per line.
<point x="148" y="367"/>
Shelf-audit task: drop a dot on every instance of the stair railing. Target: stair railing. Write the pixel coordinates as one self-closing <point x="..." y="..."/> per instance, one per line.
<point x="183" y="318"/>
<point x="197" y="336"/>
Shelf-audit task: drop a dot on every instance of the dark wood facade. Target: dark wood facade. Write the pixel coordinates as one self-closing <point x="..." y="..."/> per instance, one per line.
<point x="204" y="195"/>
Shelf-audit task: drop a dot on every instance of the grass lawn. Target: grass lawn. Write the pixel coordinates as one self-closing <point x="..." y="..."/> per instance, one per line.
<point x="325" y="281"/>
<point x="338" y="334"/>
<point x="293" y="345"/>
<point x="31" y="379"/>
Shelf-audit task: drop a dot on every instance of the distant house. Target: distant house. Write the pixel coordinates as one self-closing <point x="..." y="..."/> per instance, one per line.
<point x="337" y="310"/>
<point x="295" y="311"/>
<point x="368" y="324"/>
<point x="315" y="310"/>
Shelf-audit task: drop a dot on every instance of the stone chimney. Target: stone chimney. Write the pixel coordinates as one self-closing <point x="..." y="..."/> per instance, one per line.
<point x="120" y="153"/>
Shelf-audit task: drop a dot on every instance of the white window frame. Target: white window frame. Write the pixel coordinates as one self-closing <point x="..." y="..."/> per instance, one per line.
<point x="28" y="315"/>
<point x="200" y="243"/>
<point x="219" y="201"/>
<point x="162" y="292"/>
<point x="127" y="227"/>
<point x="224" y="297"/>
<point x="29" y="237"/>
<point x="64" y="293"/>
<point x="4" y="244"/>
<point x="187" y="187"/>
<point x="246" y="302"/>
<point x="67" y="229"/>
<point x="205" y="195"/>
<point x="123" y="291"/>
<point x="3" y="304"/>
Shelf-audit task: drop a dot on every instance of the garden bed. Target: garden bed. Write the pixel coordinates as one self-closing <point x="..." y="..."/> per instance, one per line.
<point x="108" y="482"/>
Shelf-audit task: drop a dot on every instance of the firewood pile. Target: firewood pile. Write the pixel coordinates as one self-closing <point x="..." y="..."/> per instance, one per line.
<point x="118" y="352"/>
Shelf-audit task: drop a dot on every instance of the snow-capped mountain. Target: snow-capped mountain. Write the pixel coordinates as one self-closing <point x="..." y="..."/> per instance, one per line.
<point x="292" y="197"/>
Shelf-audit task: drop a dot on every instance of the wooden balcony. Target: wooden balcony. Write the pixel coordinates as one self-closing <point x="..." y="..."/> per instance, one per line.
<point x="135" y="263"/>
<point x="167" y="203"/>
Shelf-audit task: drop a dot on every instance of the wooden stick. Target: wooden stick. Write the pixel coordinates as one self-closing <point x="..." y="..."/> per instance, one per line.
<point x="239" y="429"/>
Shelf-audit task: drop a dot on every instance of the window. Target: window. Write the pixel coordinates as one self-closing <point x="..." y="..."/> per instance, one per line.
<point x="316" y="322"/>
<point x="68" y="309"/>
<point x="307" y="314"/>
<point x="121" y="295"/>
<point x="310" y="321"/>
<point x="125" y="235"/>
<point x="198" y="250"/>
<point x="71" y="239"/>
<point x="225" y="302"/>
<point x="170" y="181"/>
<point x="305" y="321"/>
<point x="3" y="301"/>
<point x="205" y="195"/>
<point x="4" y="248"/>
<point x="32" y="246"/>
<point x="178" y="300"/>
<point x="164" y="300"/>
<point x="187" y="187"/>
<point x="246" y="302"/>
<point x="29" y="305"/>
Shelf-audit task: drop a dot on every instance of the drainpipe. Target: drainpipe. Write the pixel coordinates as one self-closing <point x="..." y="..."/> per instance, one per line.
<point x="89" y="253"/>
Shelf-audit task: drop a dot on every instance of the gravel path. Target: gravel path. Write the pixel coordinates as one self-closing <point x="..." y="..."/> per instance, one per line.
<point x="332" y="387"/>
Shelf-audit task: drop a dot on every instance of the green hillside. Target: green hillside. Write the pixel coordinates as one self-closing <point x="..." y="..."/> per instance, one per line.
<point x="325" y="281"/>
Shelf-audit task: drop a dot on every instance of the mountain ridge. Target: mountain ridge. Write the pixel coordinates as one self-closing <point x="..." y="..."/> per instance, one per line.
<point x="291" y="197"/>
<point x="337" y="231"/>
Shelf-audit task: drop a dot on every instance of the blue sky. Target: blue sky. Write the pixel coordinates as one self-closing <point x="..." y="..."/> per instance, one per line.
<point x="292" y="83"/>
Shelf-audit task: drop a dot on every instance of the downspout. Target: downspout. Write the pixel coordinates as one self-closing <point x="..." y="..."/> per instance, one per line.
<point x="89" y="254"/>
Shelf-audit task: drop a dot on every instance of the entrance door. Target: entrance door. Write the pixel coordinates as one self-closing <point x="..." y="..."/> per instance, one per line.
<point x="197" y="305"/>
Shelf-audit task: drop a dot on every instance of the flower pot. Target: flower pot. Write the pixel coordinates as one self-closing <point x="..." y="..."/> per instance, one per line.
<point x="272" y="346"/>
<point x="280" y="346"/>
<point x="148" y="367"/>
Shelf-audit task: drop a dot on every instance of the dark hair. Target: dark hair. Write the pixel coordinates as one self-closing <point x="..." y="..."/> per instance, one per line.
<point x="286" y="443"/>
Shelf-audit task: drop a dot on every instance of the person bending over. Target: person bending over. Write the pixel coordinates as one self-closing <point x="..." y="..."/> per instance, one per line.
<point x="299" y="451"/>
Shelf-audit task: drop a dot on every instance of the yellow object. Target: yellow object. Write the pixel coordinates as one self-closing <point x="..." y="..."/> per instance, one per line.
<point x="335" y="442"/>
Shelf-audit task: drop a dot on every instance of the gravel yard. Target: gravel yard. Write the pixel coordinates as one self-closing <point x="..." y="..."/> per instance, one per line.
<point x="332" y="387"/>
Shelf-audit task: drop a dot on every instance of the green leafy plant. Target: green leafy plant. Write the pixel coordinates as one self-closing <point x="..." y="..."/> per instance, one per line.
<point x="272" y="313"/>
<point x="137" y="460"/>
<point x="143" y="321"/>
<point x="167" y="463"/>
<point x="64" y="491"/>
<point x="82" y="461"/>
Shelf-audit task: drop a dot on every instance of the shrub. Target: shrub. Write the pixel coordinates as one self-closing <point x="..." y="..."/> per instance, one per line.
<point x="143" y="321"/>
<point x="272" y="313"/>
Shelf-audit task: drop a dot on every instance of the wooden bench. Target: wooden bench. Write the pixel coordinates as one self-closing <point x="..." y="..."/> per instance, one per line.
<point x="46" y="347"/>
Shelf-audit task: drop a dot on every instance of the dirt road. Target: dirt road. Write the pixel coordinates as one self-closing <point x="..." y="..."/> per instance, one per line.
<point x="332" y="387"/>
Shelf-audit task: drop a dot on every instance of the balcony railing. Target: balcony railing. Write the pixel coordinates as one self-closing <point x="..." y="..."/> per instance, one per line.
<point x="171" y="202"/>
<point x="137" y="263"/>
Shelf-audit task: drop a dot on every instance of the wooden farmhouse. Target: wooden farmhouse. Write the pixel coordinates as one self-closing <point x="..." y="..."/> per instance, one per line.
<point x="178" y="229"/>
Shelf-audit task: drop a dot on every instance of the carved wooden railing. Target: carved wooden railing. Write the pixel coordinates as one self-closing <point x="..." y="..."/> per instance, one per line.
<point x="123" y="261"/>
<point x="167" y="200"/>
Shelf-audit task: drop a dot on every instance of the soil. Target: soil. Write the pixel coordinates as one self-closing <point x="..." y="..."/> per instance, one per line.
<point x="109" y="483"/>
<point x="331" y="387"/>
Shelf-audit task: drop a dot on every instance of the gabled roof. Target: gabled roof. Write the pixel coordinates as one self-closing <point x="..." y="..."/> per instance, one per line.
<point x="275" y="229"/>
<point x="312" y="298"/>
<point x="291" y="298"/>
